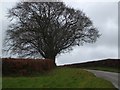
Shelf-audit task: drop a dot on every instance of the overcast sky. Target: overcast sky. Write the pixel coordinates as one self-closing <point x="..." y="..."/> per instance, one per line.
<point x="104" y="16"/>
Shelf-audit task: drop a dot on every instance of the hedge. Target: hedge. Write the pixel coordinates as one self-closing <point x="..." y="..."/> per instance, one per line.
<point x="26" y="66"/>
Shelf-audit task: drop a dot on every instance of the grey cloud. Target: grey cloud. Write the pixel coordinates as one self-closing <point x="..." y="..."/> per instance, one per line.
<point x="4" y="21"/>
<point x="83" y="54"/>
<point x="104" y="16"/>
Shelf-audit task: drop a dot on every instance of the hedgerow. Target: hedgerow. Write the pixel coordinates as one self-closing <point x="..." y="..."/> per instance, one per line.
<point x="26" y="66"/>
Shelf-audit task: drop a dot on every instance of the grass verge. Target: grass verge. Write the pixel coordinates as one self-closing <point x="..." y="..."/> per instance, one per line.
<point x="58" y="78"/>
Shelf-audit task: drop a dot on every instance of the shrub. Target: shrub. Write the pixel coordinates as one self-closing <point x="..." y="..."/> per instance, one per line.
<point x="26" y="66"/>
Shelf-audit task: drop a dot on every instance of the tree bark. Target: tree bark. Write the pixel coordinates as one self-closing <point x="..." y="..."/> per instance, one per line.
<point x="52" y="58"/>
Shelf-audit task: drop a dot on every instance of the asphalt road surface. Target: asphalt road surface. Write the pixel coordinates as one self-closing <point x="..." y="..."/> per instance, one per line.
<point x="110" y="76"/>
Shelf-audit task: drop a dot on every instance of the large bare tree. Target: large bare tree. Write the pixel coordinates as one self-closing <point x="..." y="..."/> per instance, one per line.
<point x="47" y="29"/>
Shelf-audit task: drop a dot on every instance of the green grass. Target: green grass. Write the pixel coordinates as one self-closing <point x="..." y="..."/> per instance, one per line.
<point x="117" y="70"/>
<point x="58" y="78"/>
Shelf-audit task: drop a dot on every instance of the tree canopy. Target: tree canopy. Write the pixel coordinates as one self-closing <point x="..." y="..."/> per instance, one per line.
<point x="47" y="29"/>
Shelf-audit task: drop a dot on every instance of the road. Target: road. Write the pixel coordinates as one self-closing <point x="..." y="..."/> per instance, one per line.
<point x="110" y="76"/>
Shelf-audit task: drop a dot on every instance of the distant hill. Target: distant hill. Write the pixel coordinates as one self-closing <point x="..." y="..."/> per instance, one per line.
<point x="113" y="63"/>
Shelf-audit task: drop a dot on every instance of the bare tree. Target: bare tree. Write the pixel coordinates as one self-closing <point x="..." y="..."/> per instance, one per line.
<point x="47" y="29"/>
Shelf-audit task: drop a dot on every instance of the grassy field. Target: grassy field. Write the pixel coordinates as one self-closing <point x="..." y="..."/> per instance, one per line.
<point x="105" y="69"/>
<point x="58" y="78"/>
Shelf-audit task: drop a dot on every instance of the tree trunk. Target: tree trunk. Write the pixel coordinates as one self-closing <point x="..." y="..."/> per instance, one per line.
<point x="52" y="58"/>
